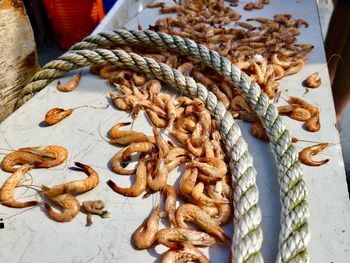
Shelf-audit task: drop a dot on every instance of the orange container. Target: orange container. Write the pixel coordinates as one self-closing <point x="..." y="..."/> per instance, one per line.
<point x="73" y="20"/>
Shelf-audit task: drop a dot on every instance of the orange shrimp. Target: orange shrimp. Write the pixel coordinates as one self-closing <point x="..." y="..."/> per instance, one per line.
<point x="184" y="253"/>
<point x="71" y="85"/>
<point x="170" y="237"/>
<point x="145" y="235"/>
<point x="192" y="213"/>
<point x="313" y="81"/>
<point x="156" y="120"/>
<point x="77" y="186"/>
<point x="171" y="111"/>
<point x="7" y="189"/>
<point x="313" y="124"/>
<point x="119" y="164"/>
<point x="170" y="203"/>
<point x="39" y="157"/>
<point x="162" y="145"/>
<point x="139" y="185"/>
<point x="127" y="137"/>
<point x="200" y="198"/>
<point x="259" y="131"/>
<point x="160" y="175"/>
<point x="305" y="156"/>
<point x="70" y="206"/>
<point x="55" y="115"/>
<point x="213" y="167"/>
<point x="300" y="114"/>
<point x="137" y="147"/>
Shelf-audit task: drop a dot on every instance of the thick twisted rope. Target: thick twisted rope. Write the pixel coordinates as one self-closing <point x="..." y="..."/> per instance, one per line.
<point x="247" y="239"/>
<point x="294" y="234"/>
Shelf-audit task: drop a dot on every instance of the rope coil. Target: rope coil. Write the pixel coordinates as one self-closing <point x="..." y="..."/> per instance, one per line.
<point x="294" y="234"/>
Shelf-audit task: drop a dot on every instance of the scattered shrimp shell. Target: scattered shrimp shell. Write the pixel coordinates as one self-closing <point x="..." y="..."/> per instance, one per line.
<point x="313" y="81"/>
<point x="55" y="115"/>
<point x="305" y="156"/>
<point x="72" y="83"/>
<point x="300" y="114"/>
<point x="96" y="207"/>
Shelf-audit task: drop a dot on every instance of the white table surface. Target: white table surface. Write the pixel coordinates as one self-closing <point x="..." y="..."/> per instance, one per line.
<point x="32" y="237"/>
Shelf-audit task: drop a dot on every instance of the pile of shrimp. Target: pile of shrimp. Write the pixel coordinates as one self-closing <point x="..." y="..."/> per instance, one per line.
<point x="205" y="184"/>
<point x="20" y="161"/>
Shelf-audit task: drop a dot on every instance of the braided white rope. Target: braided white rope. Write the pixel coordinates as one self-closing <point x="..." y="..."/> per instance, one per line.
<point x="294" y="234"/>
<point x="247" y="239"/>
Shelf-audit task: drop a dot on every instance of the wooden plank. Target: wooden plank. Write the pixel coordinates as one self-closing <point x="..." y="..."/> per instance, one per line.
<point x="18" y="57"/>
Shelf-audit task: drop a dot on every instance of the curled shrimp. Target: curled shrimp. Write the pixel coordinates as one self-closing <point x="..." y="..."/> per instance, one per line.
<point x="77" y="186"/>
<point x="71" y="85"/>
<point x="175" y="153"/>
<point x="184" y="253"/>
<point x="313" y="81"/>
<point x="139" y="185"/>
<point x="137" y="147"/>
<point x="182" y="137"/>
<point x="170" y="203"/>
<point x="171" y="111"/>
<point x="162" y="145"/>
<point x="156" y="120"/>
<point x="8" y="188"/>
<point x="186" y="68"/>
<point x="295" y="68"/>
<point x="55" y="115"/>
<point x="118" y="164"/>
<point x="304" y="104"/>
<point x="305" y="156"/>
<point x="192" y="213"/>
<point x="145" y="235"/>
<point x="313" y="124"/>
<point x="196" y="151"/>
<point x="184" y="124"/>
<point x="170" y="237"/>
<point x="213" y="167"/>
<point x="287" y="108"/>
<point x="120" y="103"/>
<point x="259" y="131"/>
<point x="69" y="204"/>
<point x="127" y="137"/>
<point x="200" y="198"/>
<point x="188" y="181"/>
<point x="157" y="181"/>
<point x="171" y="165"/>
<point x="39" y="157"/>
<point x="300" y="114"/>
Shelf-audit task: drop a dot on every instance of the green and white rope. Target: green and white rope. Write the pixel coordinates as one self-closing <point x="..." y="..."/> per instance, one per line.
<point x="247" y="239"/>
<point x="295" y="233"/>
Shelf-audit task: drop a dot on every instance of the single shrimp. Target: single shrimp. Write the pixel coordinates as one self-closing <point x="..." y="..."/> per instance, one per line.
<point x="71" y="85"/>
<point x="39" y="157"/>
<point x="127" y="137"/>
<point x="184" y="124"/>
<point x="8" y="188"/>
<point x="214" y="167"/>
<point x="196" y="151"/>
<point x="139" y="78"/>
<point x="145" y="235"/>
<point x="196" y="137"/>
<point x="300" y="114"/>
<point x="208" y="150"/>
<point x="313" y="81"/>
<point x="221" y="96"/>
<point x="287" y="108"/>
<point x="139" y="185"/>
<point x="218" y="152"/>
<point x="172" y="61"/>
<point x="182" y="137"/>
<point x="184" y="253"/>
<point x="55" y="115"/>
<point x="175" y="153"/>
<point x="141" y="94"/>
<point x="200" y="198"/>
<point x="171" y="111"/>
<point x="171" y="165"/>
<point x="137" y="147"/>
<point x="170" y="203"/>
<point x="77" y="186"/>
<point x="160" y="178"/>
<point x="154" y="86"/>
<point x="192" y="213"/>
<point x="156" y="120"/>
<point x="295" y="68"/>
<point x="305" y="156"/>
<point x="313" y="124"/>
<point x="162" y="145"/>
<point x="170" y="237"/>
<point x="70" y="206"/>
<point x="120" y="103"/>
<point x="186" y="68"/>
<point x="119" y="164"/>
<point x="259" y="131"/>
<point x="304" y="104"/>
<point x="184" y="101"/>
<point x="155" y="5"/>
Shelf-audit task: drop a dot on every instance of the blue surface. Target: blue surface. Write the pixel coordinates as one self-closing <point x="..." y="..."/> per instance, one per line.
<point x="108" y="4"/>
